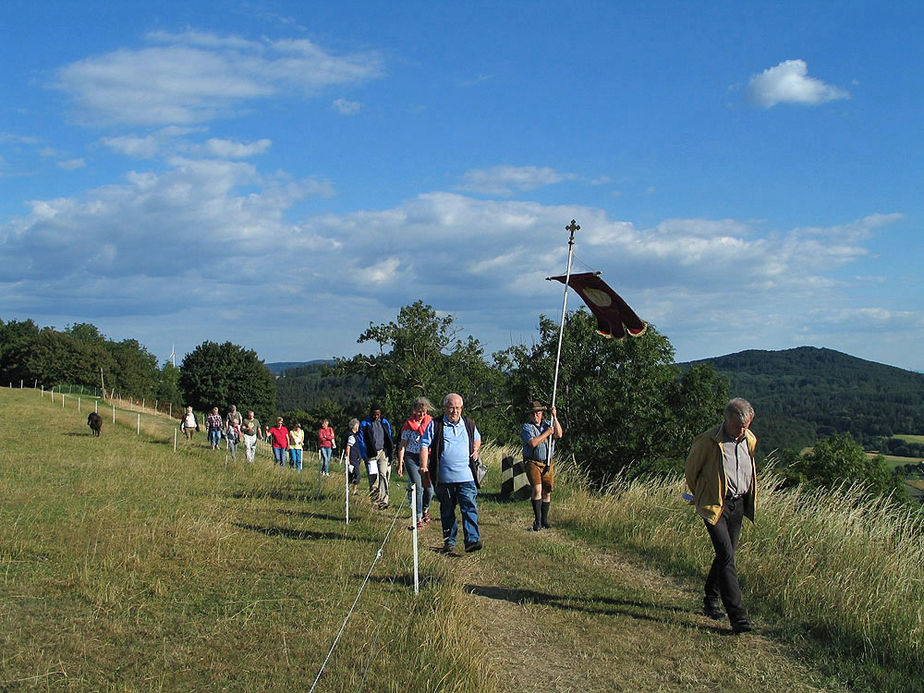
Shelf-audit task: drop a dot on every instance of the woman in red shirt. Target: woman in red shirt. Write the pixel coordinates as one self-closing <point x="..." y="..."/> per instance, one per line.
<point x="409" y="458"/>
<point x="279" y="436"/>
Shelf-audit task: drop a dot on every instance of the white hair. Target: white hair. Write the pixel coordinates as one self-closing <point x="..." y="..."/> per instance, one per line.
<point x="450" y="396"/>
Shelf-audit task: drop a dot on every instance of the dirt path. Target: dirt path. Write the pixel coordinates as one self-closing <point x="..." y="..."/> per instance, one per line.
<point x="560" y="615"/>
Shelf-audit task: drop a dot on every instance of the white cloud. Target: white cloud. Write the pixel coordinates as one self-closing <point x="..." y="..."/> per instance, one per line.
<point x="230" y="149"/>
<point x="194" y="218"/>
<point x="789" y="82"/>
<point x="148" y="146"/>
<point x="72" y="164"/>
<point x="195" y="77"/>
<point x="505" y="180"/>
<point x="346" y="107"/>
<point x="212" y="237"/>
<point x="18" y="139"/>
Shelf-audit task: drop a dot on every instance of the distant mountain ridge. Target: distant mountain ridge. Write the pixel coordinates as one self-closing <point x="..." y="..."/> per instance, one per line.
<point x="804" y="393"/>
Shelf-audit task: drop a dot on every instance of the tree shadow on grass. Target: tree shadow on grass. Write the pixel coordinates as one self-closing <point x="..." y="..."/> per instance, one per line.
<point x="498" y="497"/>
<point x="275" y="494"/>
<point x="608" y="606"/>
<point x="76" y="434"/>
<point x="300" y="534"/>
<point x="311" y="516"/>
<point x="406" y="580"/>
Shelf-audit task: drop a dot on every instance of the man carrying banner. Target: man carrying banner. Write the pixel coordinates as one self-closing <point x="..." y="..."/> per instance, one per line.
<point x="537" y="458"/>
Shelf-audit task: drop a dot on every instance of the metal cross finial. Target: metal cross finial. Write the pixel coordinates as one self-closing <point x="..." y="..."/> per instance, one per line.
<point x="572" y="227"/>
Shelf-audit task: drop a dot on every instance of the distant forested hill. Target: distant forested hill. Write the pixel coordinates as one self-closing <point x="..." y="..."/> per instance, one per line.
<point x="307" y="385"/>
<point x="805" y="393"/>
<point x="280" y="367"/>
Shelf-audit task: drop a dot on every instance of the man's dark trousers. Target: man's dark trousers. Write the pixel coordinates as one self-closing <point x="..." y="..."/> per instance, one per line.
<point x="722" y="580"/>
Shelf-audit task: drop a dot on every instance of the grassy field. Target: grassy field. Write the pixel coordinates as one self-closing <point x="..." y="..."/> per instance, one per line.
<point x="910" y="438"/>
<point x="127" y="566"/>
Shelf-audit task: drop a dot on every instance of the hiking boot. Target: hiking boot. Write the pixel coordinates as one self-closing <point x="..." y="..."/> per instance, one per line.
<point x="448" y="547"/>
<point x="537" y="526"/>
<point x="743" y="626"/>
<point x="713" y="610"/>
<point x="473" y="547"/>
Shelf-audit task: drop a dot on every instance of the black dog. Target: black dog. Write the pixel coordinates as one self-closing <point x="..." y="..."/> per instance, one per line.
<point x="95" y="422"/>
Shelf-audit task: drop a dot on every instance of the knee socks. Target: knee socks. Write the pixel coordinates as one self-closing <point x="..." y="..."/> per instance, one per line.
<point x="545" y="514"/>
<point x="537" y="513"/>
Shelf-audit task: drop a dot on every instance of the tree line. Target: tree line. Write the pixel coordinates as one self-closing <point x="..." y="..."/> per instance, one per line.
<point x="626" y="406"/>
<point x="81" y="355"/>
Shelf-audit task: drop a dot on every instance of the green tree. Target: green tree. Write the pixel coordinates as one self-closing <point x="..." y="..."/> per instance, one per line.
<point x="168" y="388"/>
<point x="421" y="354"/>
<point x="86" y="333"/>
<point x="15" y="338"/>
<point x="840" y="459"/>
<point x="136" y="371"/>
<point x="623" y="403"/>
<point x="50" y="358"/>
<point x="219" y="375"/>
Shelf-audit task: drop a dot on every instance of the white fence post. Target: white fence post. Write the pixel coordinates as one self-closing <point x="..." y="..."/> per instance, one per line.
<point x="414" y="525"/>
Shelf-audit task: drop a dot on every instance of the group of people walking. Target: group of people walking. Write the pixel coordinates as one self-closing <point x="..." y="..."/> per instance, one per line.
<point x="440" y="455"/>
<point x="287" y="444"/>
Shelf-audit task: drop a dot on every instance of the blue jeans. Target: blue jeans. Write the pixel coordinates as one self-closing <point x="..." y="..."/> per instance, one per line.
<point x="214" y="438"/>
<point x="424" y="495"/>
<point x="325" y="459"/>
<point x="463" y="495"/>
<point x="279" y="454"/>
<point x="295" y="458"/>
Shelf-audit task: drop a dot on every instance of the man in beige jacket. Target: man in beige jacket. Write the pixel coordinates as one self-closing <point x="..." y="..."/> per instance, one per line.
<point x="721" y="474"/>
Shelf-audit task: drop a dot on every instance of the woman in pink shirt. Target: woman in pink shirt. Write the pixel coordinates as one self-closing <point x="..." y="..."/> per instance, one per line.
<point x="326" y="445"/>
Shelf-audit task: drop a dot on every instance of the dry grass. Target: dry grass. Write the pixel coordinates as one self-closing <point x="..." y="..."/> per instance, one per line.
<point x="126" y="565"/>
<point x="841" y="569"/>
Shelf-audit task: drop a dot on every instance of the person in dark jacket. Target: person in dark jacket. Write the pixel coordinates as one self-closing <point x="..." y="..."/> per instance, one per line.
<point x="377" y="451"/>
<point x="354" y="454"/>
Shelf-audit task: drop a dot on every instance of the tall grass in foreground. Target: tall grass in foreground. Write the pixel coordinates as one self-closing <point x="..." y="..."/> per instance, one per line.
<point x="838" y="563"/>
<point x="126" y="566"/>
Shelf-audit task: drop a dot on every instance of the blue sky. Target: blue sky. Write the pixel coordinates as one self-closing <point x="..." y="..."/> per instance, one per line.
<point x="281" y="174"/>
